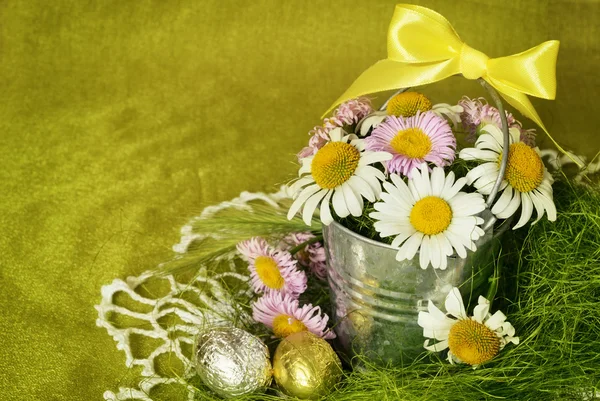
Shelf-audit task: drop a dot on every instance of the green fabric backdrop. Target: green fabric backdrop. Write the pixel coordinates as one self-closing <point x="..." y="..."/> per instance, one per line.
<point x="120" y="119"/>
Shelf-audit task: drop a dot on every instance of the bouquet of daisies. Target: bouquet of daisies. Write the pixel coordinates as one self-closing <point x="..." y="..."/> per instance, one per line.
<point x="401" y="170"/>
<point x="402" y="167"/>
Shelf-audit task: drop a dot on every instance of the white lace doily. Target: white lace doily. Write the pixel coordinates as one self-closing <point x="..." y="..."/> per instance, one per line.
<point x="172" y="339"/>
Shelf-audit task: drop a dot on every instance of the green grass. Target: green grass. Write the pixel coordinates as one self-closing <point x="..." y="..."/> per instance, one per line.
<point x="550" y="291"/>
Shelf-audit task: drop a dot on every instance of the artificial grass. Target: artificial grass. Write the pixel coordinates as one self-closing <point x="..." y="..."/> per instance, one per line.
<point x="550" y="291"/>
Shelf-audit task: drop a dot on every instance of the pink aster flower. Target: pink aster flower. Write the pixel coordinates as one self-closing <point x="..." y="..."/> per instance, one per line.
<point x="348" y="113"/>
<point x="271" y="269"/>
<point x="320" y="136"/>
<point x="477" y="113"/>
<point x="471" y="115"/>
<point x="351" y="112"/>
<point x="424" y="137"/>
<point x="282" y="314"/>
<point x="312" y="256"/>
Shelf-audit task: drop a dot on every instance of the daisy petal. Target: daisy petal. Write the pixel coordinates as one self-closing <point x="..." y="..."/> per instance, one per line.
<point x="424" y="253"/>
<point x="351" y="199"/>
<point x="304" y="195"/>
<point x="526" y="211"/>
<point x="496" y="320"/>
<point x="481" y="311"/>
<point x="362" y="187"/>
<point x="512" y="207"/>
<point x="410" y="247"/>
<point x="339" y="203"/>
<point x="326" y="217"/>
<point x="311" y="205"/>
<point x="454" y="304"/>
<point x="504" y="200"/>
<point x="442" y="345"/>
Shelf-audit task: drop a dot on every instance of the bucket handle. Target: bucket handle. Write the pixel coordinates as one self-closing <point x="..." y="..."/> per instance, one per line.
<point x="496" y="98"/>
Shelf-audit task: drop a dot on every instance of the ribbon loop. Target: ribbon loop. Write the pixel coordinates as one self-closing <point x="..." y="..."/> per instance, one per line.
<point x="473" y="63"/>
<point x="424" y="48"/>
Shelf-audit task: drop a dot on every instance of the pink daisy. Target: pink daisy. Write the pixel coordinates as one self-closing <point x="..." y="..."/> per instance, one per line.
<point x="351" y="112"/>
<point x="271" y="269"/>
<point x="281" y="313"/>
<point x="477" y="113"/>
<point x="312" y="256"/>
<point x="425" y="137"/>
<point x="348" y="113"/>
<point x="320" y="136"/>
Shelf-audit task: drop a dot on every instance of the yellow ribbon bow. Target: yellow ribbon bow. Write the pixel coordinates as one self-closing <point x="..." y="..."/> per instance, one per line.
<point x="424" y="48"/>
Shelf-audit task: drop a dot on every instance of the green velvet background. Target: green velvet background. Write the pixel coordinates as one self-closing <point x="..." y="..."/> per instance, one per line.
<point x="120" y="119"/>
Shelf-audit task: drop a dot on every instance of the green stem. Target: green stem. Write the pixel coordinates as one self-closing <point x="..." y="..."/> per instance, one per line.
<point x="493" y="282"/>
<point x="303" y="245"/>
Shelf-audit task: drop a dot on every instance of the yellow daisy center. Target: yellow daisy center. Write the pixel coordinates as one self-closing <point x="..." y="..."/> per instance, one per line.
<point x="525" y="169"/>
<point x="431" y="215"/>
<point x="407" y="104"/>
<point x="473" y="342"/>
<point x="268" y="272"/>
<point x="284" y="325"/>
<point x="411" y="142"/>
<point x="334" y="164"/>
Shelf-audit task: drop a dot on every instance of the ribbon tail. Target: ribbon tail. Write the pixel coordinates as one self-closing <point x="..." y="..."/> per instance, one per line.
<point x="522" y="103"/>
<point x="390" y="75"/>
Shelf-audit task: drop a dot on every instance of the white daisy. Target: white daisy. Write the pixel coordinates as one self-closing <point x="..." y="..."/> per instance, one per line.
<point x="339" y="172"/>
<point x="527" y="182"/>
<point x="430" y="216"/>
<point x="473" y="340"/>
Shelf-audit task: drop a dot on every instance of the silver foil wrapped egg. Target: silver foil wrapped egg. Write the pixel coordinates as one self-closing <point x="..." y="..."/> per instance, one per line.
<point x="232" y="362"/>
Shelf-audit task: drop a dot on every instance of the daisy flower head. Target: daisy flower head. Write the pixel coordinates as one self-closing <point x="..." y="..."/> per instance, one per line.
<point x="341" y="173"/>
<point x="425" y="137"/>
<point x="312" y="256"/>
<point x="470" y="339"/>
<point x="429" y="215"/>
<point x="282" y="314"/>
<point x="527" y="182"/>
<point x="271" y="269"/>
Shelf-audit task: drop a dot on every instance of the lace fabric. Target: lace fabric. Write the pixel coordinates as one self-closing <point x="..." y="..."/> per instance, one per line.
<point x="165" y="313"/>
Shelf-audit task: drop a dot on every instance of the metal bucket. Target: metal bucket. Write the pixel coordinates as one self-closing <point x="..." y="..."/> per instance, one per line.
<point x="376" y="299"/>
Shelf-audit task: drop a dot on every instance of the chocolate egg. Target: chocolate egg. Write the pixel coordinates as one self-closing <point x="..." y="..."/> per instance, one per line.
<point x="232" y="362"/>
<point x="305" y="366"/>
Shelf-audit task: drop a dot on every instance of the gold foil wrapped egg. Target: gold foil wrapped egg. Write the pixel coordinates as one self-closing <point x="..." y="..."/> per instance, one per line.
<point x="232" y="362"/>
<point x="305" y="366"/>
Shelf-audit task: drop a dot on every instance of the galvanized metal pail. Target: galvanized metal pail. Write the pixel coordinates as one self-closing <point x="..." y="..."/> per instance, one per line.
<point x="376" y="299"/>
